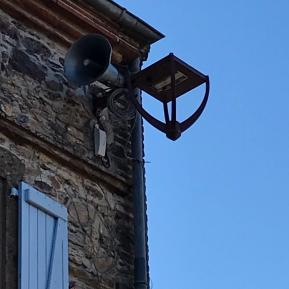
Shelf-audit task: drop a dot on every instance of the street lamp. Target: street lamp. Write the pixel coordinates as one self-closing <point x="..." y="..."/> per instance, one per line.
<point x="166" y="80"/>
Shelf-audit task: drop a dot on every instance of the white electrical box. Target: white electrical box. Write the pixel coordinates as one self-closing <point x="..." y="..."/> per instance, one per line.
<point x="99" y="141"/>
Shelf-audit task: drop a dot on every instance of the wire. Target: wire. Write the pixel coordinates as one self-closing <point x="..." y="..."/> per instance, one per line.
<point x="119" y="103"/>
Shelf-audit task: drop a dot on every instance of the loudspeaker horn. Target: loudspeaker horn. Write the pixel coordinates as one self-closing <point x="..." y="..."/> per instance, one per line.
<point x="89" y="59"/>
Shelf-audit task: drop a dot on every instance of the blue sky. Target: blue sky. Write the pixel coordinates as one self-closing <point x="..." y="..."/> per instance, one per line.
<point x="219" y="196"/>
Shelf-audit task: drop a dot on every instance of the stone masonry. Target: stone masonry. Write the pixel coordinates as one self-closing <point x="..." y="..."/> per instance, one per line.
<point x="47" y="125"/>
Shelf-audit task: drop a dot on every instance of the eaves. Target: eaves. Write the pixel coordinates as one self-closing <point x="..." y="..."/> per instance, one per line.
<point x="64" y="21"/>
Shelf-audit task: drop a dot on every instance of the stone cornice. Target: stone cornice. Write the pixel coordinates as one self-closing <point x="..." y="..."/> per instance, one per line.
<point x="85" y="168"/>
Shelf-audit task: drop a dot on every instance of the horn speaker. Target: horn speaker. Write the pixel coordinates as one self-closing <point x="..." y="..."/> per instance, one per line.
<point x="89" y="59"/>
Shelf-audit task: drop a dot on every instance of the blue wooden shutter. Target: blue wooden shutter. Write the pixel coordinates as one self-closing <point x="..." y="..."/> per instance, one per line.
<point x="43" y="250"/>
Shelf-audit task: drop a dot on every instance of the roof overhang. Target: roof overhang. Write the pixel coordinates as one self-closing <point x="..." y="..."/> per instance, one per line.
<point x="64" y="21"/>
<point x="128" y="22"/>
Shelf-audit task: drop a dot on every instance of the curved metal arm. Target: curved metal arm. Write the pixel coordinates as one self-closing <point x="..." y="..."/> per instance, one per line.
<point x="149" y="118"/>
<point x="193" y="118"/>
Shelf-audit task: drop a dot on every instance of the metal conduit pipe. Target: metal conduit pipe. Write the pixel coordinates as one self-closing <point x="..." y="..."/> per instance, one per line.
<point x="141" y="275"/>
<point x="126" y="19"/>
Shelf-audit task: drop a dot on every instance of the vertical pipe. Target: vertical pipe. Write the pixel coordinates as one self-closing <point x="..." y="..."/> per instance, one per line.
<point x="141" y="277"/>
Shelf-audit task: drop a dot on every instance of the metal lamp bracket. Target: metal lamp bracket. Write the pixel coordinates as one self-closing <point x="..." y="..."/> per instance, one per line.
<point x="171" y="127"/>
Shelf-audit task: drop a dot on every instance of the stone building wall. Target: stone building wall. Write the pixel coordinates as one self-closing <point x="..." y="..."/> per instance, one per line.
<point x="47" y="126"/>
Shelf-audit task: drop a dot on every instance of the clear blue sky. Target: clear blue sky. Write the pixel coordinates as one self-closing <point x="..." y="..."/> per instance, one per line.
<point x="219" y="196"/>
